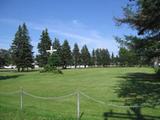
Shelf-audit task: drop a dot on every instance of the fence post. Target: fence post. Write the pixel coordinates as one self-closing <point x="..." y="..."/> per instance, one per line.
<point x="21" y="98"/>
<point x="78" y="106"/>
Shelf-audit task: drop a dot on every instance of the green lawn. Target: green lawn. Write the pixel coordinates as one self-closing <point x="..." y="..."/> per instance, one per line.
<point x="99" y="83"/>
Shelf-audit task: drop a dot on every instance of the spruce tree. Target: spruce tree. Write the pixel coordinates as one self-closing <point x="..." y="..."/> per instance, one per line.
<point x="57" y="46"/>
<point x="93" y="58"/>
<point x="85" y="56"/>
<point x="16" y="48"/>
<point x="144" y="16"/>
<point x="98" y="56"/>
<point x="45" y="43"/>
<point x="112" y="59"/>
<point x="66" y="54"/>
<point x="76" y="55"/>
<point x="28" y="54"/>
<point x="54" y="60"/>
<point x="105" y="57"/>
<point x="21" y="49"/>
<point x="5" y="57"/>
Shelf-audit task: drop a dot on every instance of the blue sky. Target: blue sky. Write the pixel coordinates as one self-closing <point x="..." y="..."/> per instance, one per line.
<point x="87" y="22"/>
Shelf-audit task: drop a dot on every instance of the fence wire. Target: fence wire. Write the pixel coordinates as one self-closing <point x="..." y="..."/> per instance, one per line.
<point x="109" y="104"/>
<point x="66" y="96"/>
<point x="49" y="98"/>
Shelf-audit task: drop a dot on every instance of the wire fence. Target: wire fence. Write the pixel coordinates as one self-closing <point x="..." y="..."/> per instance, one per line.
<point x="77" y="94"/>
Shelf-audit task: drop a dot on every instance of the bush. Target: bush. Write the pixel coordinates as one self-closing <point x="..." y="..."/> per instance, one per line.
<point x="53" y="69"/>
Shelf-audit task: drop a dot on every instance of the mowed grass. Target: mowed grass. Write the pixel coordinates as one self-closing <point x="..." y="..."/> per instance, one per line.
<point x="99" y="83"/>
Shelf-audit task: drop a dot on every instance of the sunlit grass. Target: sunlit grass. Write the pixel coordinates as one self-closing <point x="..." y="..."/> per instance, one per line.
<point x="99" y="83"/>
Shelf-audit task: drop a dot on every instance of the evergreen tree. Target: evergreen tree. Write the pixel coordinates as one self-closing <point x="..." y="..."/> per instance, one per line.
<point x="28" y="54"/>
<point x="112" y="59"/>
<point x="54" y="60"/>
<point x="116" y="60"/>
<point x="57" y="46"/>
<point x="85" y="56"/>
<point x="76" y="55"/>
<point x="45" y="43"/>
<point x="66" y="54"/>
<point x="93" y="58"/>
<point x="52" y="64"/>
<point x="127" y="57"/>
<point x="103" y="57"/>
<point x="132" y="51"/>
<point x="5" y="57"/>
<point x="144" y="16"/>
<point x="98" y="56"/>
<point x="16" y="48"/>
<point x="21" y="49"/>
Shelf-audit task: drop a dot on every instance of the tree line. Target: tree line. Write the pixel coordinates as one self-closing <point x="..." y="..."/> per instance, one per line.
<point x="21" y="53"/>
<point x="64" y="56"/>
<point x="143" y="49"/>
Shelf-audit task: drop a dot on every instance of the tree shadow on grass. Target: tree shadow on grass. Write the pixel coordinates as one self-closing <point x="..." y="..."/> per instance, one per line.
<point x="139" y="89"/>
<point x="7" y="77"/>
<point x="128" y="115"/>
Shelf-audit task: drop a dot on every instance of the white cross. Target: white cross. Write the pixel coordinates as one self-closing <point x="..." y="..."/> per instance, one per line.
<point x="51" y="50"/>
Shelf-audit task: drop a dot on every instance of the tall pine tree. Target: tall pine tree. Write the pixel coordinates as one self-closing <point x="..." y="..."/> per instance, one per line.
<point x="76" y="55"/>
<point x="102" y="57"/>
<point x="21" y="49"/>
<point x="28" y="54"/>
<point x="5" y="57"/>
<point x="93" y="58"/>
<point x="45" y="43"/>
<point x="112" y="59"/>
<point x="85" y="56"/>
<point x="66" y="54"/>
<point x="105" y="57"/>
<point x="98" y="56"/>
<point x="57" y="46"/>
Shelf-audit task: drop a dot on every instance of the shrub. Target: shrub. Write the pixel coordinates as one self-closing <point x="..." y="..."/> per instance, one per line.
<point x="49" y="68"/>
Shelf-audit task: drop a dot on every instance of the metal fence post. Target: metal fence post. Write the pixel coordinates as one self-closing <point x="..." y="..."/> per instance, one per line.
<point x="78" y="106"/>
<point x="21" y="98"/>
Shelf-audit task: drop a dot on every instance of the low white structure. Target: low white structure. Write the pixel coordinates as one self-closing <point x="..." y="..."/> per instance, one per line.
<point x="157" y="62"/>
<point x="10" y="67"/>
<point x="78" y="66"/>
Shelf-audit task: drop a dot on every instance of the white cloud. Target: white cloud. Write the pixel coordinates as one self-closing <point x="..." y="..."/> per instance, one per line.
<point x="73" y="30"/>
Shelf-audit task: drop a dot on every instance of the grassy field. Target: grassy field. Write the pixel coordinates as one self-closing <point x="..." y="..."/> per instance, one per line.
<point x="99" y="83"/>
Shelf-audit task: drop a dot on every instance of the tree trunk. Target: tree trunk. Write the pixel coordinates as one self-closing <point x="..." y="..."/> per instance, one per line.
<point x="22" y="69"/>
<point x="138" y="113"/>
<point x="18" y="69"/>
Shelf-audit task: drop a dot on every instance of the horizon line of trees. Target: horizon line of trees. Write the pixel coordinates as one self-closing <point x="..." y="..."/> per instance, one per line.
<point x="64" y="56"/>
<point x="21" y="54"/>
